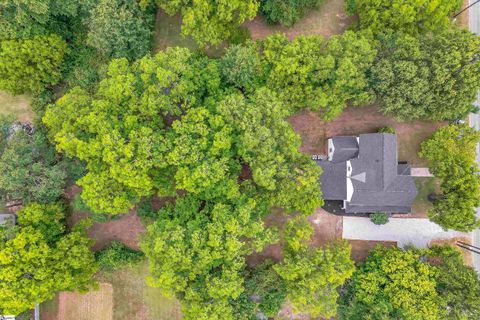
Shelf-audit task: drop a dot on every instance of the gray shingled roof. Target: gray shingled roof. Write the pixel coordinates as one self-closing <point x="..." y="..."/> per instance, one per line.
<point x="346" y="148"/>
<point x="379" y="182"/>
<point x="332" y="174"/>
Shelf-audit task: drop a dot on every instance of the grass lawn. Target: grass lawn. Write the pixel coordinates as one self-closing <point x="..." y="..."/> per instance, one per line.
<point x="16" y="105"/>
<point x="133" y="299"/>
<point x="425" y="186"/>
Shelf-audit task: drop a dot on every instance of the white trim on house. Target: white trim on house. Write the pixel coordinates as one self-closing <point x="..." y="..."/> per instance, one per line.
<point x="331" y="149"/>
<point x="349" y="189"/>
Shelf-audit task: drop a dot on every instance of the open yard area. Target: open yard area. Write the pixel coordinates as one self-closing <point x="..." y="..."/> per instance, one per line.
<point x="122" y="294"/>
<point x="356" y="120"/>
<point x="16" y="105"/>
<point x="330" y="19"/>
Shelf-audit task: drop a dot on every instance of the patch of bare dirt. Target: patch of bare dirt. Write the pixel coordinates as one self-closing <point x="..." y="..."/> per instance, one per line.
<point x="356" y="120"/>
<point x="96" y="305"/>
<point x="467" y="255"/>
<point x="330" y="19"/>
<point x="327" y="226"/>
<point x="361" y="248"/>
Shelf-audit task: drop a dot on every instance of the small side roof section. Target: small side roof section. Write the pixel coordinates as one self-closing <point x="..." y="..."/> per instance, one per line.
<point x="342" y="148"/>
<point x="334" y="177"/>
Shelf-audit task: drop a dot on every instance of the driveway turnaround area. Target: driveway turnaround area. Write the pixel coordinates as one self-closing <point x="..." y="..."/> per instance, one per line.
<point x="405" y="231"/>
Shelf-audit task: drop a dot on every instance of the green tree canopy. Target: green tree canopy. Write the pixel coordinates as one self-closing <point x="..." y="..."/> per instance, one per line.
<point x="20" y="19"/>
<point x="433" y="77"/>
<point x="313" y="275"/>
<point x="287" y="12"/>
<point x="393" y="284"/>
<point x="408" y="16"/>
<point x="33" y="267"/>
<point x="120" y="28"/>
<point x="242" y="67"/>
<point x="211" y="21"/>
<point x="451" y="155"/>
<point x="31" y="65"/>
<point x="31" y="171"/>
<point x="269" y="145"/>
<point x="457" y="284"/>
<point x="196" y="251"/>
<point x="309" y="72"/>
<point x="119" y="131"/>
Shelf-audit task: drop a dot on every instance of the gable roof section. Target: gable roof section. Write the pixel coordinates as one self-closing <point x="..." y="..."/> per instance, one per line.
<point x="334" y="177"/>
<point x="345" y="148"/>
<point x="379" y="182"/>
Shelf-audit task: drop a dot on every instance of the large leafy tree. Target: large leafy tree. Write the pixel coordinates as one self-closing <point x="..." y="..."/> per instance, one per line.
<point x="120" y="28"/>
<point x="269" y="145"/>
<point x="432" y="77"/>
<point x="321" y="76"/>
<point x="196" y="251"/>
<point x="31" y="171"/>
<point x="265" y="292"/>
<point x="242" y="67"/>
<point x="39" y="261"/>
<point x="119" y="131"/>
<point x="313" y="275"/>
<point x="457" y="284"/>
<point x="20" y="19"/>
<point x="211" y="21"/>
<point x="393" y="284"/>
<point x="287" y="12"/>
<point x="408" y="16"/>
<point x="31" y="65"/>
<point x="451" y="155"/>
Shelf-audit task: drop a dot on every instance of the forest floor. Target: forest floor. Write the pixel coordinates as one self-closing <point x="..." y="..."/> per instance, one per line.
<point x="357" y="120"/>
<point x="18" y="106"/>
<point x="328" y="20"/>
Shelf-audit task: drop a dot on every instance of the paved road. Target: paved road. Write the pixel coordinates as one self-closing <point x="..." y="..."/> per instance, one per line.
<point x="411" y="231"/>
<point x="474" y="18"/>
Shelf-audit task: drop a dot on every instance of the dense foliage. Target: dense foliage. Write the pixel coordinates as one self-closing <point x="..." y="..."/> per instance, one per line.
<point x="393" y="284"/>
<point x="211" y="21"/>
<point x="451" y="155"/>
<point x="20" y="19"/>
<point x="196" y="251"/>
<point x="287" y="12"/>
<point x="265" y="292"/>
<point x="321" y="76"/>
<point x="31" y="171"/>
<point x="132" y="147"/>
<point x="433" y="77"/>
<point x="412" y="284"/>
<point x="31" y="65"/>
<point x="242" y="67"/>
<point x="457" y="284"/>
<point x="313" y="275"/>
<point x="116" y="256"/>
<point x="407" y="16"/>
<point x="120" y="28"/>
<point x="41" y="259"/>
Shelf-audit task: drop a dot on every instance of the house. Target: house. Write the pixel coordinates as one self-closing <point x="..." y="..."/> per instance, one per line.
<point x="365" y="174"/>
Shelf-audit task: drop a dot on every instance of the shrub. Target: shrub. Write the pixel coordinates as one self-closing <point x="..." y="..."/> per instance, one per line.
<point x="117" y="256"/>
<point x="287" y="12"/>
<point x="386" y="129"/>
<point x="379" y="218"/>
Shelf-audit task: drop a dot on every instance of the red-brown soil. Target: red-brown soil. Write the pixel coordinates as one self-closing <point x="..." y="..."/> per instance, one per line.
<point x="361" y="248"/>
<point x="356" y="120"/>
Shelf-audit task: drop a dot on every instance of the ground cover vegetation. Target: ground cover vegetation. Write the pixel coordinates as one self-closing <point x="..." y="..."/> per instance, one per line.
<point x="412" y="284"/>
<point x="213" y="134"/>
